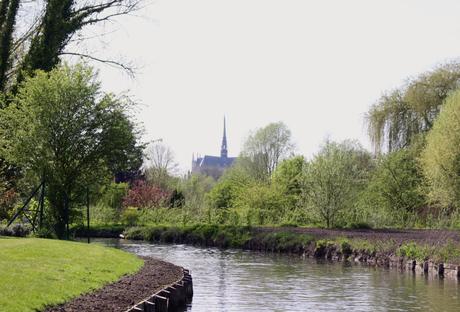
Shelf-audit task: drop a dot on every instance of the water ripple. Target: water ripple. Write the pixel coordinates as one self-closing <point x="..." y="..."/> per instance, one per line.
<point x="234" y="280"/>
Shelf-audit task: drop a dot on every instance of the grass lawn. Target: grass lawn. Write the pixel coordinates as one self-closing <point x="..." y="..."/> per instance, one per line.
<point x="36" y="272"/>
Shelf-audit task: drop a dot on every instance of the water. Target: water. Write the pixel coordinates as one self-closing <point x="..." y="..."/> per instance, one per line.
<point x="234" y="280"/>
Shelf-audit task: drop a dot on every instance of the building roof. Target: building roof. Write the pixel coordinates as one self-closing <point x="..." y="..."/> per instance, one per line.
<point x="215" y="161"/>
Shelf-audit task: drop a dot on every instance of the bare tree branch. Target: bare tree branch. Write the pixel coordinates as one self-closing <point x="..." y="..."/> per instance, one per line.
<point x="128" y="69"/>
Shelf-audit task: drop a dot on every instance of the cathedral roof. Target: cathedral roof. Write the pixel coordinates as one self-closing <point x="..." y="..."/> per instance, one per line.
<point x="215" y="161"/>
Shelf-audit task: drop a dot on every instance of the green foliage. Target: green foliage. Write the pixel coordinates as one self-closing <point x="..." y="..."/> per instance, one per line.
<point x="441" y="157"/>
<point x="288" y="177"/>
<point x="402" y="115"/>
<point x="229" y="188"/>
<point x="62" y="127"/>
<point x="413" y="251"/>
<point x="111" y="195"/>
<point x="395" y="187"/>
<point x="194" y="187"/>
<point x="130" y="216"/>
<point x="284" y="241"/>
<point x="52" y="272"/>
<point x="334" y="179"/>
<point x="261" y="203"/>
<point x="212" y="235"/>
<point x="103" y="214"/>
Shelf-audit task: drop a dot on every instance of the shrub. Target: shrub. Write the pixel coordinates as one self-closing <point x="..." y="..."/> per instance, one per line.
<point x="143" y="195"/>
<point x="130" y="216"/>
<point x="18" y="230"/>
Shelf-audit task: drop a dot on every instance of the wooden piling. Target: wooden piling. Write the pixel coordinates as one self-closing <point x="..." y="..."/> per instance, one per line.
<point x="170" y="298"/>
<point x="149" y="306"/>
<point x="441" y="269"/>
<point x="426" y="266"/>
<point x="161" y="303"/>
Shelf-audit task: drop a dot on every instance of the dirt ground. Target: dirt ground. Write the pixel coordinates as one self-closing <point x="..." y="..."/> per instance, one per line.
<point x="119" y="296"/>
<point x="432" y="237"/>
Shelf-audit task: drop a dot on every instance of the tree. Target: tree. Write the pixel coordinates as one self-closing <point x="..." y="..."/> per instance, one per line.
<point x="45" y="38"/>
<point x="441" y="157"/>
<point x="395" y="185"/>
<point x="288" y="178"/>
<point x="402" y="115"/>
<point x="229" y="188"/>
<point x="62" y="128"/>
<point x="195" y="187"/>
<point x="261" y="203"/>
<point x="8" y="13"/>
<point x="333" y="179"/>
<point x="161" y="165"/>
<point x="264" y="149"/>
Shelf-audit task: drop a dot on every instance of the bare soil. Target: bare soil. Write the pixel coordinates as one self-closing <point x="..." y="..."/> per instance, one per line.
<point x="129" y="290"/>
<point x="432" y="237"/>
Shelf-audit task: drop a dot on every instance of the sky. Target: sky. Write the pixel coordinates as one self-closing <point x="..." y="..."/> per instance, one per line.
<point x="317" y="66"/>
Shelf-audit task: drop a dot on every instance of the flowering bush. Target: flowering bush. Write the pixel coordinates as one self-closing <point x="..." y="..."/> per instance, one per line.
<point x="144" y="195"/>
<point x="7" y="200"/>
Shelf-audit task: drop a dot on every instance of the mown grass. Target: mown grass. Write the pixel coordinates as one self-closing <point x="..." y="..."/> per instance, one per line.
<point x="35" y="273"/>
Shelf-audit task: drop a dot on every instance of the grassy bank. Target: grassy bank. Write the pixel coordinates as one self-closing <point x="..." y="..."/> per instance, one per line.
<point x="374" y="247"/>
<point x="35" y="273"/>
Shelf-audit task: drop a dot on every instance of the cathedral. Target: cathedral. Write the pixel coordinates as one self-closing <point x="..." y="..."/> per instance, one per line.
<point x="214" y="166"/>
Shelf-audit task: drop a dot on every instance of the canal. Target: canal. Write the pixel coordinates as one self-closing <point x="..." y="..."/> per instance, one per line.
<point x="235" y="280"/>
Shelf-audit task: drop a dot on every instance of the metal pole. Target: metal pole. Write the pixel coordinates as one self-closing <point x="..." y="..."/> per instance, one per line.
<point x="87" y="213"/>
<point x="41" y="206"/>
<point x="24" y="206"/>
<point x="66" y="207"/>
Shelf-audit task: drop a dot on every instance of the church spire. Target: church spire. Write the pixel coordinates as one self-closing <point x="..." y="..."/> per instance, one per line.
<point x="223" y="148"/>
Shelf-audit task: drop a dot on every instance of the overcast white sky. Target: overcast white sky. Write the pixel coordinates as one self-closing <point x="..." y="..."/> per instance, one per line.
<point x="315" y="65"/>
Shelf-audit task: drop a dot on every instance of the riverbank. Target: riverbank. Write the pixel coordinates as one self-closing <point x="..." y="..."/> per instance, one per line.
<point x="426" y="251"/>
<point x="36" y="273"/>
<point x="121" y="295"/>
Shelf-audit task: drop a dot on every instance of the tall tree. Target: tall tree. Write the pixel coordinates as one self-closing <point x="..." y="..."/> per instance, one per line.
<point x="400" y="116"/>
<point x="46" y="39"/>
<point x="63" y="128"/>
<point x="441" y="157"/>
<point x="264" y="149"/>
<point x="160" y="165"/>
<point x="8" y="13"/>
<point x="395" y="186"/>
<point x="333" y="179"/>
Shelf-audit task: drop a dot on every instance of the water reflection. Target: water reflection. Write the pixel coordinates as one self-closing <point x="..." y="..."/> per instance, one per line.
<point x="233" y="280"/>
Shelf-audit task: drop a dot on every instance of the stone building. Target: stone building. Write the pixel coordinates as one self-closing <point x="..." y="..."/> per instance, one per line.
<point x="214" y="166"/>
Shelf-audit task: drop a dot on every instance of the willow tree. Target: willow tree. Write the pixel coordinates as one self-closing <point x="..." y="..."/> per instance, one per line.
<point x="402" y="115"/>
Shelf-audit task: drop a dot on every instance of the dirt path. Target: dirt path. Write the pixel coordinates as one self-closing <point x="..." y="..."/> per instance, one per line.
<point x="398" y="236"/>
<point x="119" y="296"/>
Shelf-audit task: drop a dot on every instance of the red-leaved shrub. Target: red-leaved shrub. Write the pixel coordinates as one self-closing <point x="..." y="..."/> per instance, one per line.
<point x="143" y="195"/>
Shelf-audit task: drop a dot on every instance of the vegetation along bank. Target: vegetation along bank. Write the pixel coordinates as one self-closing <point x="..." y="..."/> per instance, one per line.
<point x="428" y="251"/>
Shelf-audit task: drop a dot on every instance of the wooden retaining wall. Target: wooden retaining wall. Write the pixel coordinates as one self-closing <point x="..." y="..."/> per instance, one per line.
<point x="427" y="268"/>
<point x="169" y="298"/>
